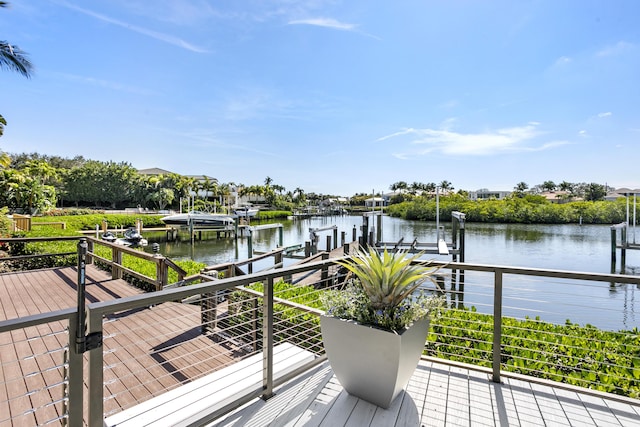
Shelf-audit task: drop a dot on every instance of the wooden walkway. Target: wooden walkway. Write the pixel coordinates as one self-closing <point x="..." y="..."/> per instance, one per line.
<point x="437" y="395"/>
<point x="315" y="277"/>
<point x="143" y="357"/>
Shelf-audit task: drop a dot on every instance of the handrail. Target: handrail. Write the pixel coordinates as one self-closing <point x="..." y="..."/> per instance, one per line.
<point x="101" y="309"/>
<point x="163" y="264"/>
<point x="97" y="312"/>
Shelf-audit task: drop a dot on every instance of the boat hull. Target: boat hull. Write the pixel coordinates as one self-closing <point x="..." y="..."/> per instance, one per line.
<point x="198" y="220"/>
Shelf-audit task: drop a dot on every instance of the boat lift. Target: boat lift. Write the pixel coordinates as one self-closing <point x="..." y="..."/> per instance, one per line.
<point x="455" y="247"/>
<point x="253" y="229"/>
<point x="314" y="237"/>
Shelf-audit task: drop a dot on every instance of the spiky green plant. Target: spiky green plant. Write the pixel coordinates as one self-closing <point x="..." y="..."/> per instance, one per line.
<point x="383" y="293"/>
<point x="387" y="278"/>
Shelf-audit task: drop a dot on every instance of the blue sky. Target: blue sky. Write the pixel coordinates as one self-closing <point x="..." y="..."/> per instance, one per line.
<point x="334" y="97"/>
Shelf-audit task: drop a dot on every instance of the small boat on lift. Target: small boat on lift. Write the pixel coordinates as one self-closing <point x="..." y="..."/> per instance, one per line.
<point x="198" y="219"/>
<point x="108" y="236"/>
<point x="131" y="237"/>
<point x="246" y="211"/>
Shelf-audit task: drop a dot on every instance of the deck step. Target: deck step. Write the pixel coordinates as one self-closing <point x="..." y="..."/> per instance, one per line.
<point x="190" y="402"/>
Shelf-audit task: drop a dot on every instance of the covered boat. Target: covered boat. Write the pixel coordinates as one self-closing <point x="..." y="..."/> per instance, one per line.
<point x="198" y="219"/>
<point x="246" y="211"/>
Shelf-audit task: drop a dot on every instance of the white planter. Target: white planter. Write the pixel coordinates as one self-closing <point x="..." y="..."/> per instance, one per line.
<point x="372" y="364"/>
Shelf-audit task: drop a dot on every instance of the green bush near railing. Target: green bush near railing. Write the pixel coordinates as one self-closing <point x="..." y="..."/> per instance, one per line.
<point x="579" y="355"/>
<point x="90" y="221"/>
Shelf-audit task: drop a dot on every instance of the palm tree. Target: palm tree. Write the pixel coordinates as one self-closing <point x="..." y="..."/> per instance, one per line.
<point x="520" y="188"/>
<point x="399" y="186"/>
<point x="12" y="57"/>
<point x="446" y="186"/>
<point x="549" y="186"/>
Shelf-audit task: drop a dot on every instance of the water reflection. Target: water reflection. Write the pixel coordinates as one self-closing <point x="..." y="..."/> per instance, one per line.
<point x="572" y="247"/>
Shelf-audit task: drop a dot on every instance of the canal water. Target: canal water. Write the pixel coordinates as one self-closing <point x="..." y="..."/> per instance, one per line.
<point x="583" y="248"/>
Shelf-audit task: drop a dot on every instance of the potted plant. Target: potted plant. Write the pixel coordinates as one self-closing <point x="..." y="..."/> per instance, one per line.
<point x="374" y="330"/>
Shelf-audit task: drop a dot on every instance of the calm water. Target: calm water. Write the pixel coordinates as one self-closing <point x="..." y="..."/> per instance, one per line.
<point x="567" y="247"/>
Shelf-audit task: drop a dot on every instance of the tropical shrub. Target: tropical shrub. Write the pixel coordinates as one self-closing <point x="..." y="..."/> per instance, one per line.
<point x="579" y="355"/>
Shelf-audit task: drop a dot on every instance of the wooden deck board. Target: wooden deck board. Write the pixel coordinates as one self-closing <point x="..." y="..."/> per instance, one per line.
<point x="143" y="358"/>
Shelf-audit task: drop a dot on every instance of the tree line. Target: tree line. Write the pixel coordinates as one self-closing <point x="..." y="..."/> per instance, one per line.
<point x="568" y="190"/>
<point x="32" y="183"/>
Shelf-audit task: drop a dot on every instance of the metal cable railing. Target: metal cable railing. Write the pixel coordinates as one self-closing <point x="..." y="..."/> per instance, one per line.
<point x="544" y="330"/>
<point x="496" y="318"/>
<point x="34" y="381"/>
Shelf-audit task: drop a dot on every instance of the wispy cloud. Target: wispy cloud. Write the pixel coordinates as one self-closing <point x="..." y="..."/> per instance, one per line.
<point x="513" y="139"/>
<point x="107" y="84"/>
<point x="331" y="24"/>
<point x="324" y="22"/>
<point x="563" y="60"/>
<point x="166" y="38"/>
<point x="606" y="114"/>
<point x="615" y="49"/>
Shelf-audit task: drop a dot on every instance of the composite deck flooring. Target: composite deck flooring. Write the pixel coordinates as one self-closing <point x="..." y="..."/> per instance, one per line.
<point x="437" y="395"/>
<point x="142" y="357"/>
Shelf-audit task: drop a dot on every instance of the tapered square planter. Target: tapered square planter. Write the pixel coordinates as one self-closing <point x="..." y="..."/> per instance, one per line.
<point x="372" y="364"/>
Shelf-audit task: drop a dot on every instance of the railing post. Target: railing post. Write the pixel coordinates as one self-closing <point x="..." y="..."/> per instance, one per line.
<point x="162" y="270"/>
<point x="497" y="324"/>
<point x="77" y="341"/>
<point x="328" y="243"/>
<point x="116" y="257"/>
<point x="95" y="380"/>
<point x="267" y="338"/>
<point x="90" y="247"/>
<point x="324" y="274"/>
<point x="623" y="250"/>
<point x="208" y="312"/>
<point x="75" y="377"/>
<point x="613" y="245"/>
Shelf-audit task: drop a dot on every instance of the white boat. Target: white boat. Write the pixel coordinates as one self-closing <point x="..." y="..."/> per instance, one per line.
<point x="246" y="211"/>
<point x="198" y="219"/>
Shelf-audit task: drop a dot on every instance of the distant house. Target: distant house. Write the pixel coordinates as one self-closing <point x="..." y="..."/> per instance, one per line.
<point x="622" y="192"/>
<point x="375" y="202"/>
<point x="154" y="171"/>
<point x="485" y="194"/>
<point x="558" y="196"/>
